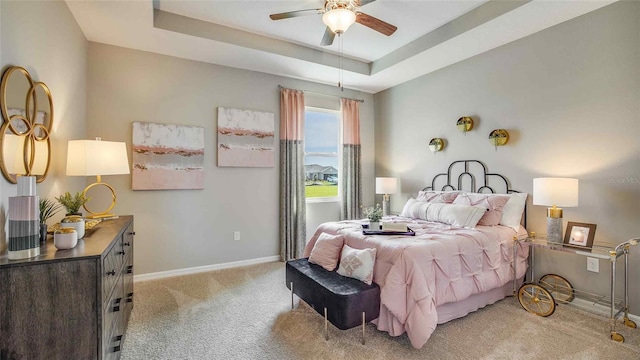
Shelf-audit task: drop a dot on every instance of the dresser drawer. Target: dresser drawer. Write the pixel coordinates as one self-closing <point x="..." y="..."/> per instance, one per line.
<point x="115" y="308"/>
<point x="111" y="268"/>
<point x="113" y="343"/>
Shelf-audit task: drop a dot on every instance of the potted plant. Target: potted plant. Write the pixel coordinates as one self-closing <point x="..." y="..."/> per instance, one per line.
<point x="72" y="202"/>
<point x="48" y="208"/>
<point x="374" y="214"/>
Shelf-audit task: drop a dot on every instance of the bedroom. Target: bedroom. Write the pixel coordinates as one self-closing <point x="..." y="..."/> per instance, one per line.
<point x="568" y="94"/>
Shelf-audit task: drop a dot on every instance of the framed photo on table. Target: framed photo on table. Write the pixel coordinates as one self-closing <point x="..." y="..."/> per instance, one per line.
<point x="580" y="235"/>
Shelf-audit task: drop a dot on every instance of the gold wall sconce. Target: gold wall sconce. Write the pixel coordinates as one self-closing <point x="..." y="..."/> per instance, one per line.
<point x="498" y="137"/>
<point x="436" y="144"/>
<point x="465" y="124"/>
<point x="27" y="120"/>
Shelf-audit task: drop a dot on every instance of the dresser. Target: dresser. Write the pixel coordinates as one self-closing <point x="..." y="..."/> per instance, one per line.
<point x="69" y="304"/>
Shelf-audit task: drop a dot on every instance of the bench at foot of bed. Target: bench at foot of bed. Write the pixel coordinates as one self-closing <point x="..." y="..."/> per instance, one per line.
<point x="343" y="301"/>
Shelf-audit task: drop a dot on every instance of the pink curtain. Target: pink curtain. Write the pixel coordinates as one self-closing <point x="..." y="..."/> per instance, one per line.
<point x="351" y="182"/>
<point x="292" y="198"/>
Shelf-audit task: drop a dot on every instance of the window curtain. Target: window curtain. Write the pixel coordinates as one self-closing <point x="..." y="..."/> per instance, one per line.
<point x="351" y="181"/>
<point x="292" y="198"/>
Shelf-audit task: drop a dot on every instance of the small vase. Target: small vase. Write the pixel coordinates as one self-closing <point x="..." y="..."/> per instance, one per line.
<point x="374" y="225"/>
<point x="43" y="234"/>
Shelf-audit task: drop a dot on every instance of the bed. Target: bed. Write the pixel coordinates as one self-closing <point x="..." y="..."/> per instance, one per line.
<point x="446" y="270"/>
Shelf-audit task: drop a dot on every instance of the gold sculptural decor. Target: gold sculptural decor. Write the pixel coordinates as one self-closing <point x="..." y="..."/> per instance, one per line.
<point x="27" y="119"/>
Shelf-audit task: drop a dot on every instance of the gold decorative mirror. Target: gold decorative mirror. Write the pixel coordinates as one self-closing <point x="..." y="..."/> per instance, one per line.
<point x="27" y="118"/>
<point x="436" y="144"/>
<point x="498" y="137"/>
<point x="465" y="124"/>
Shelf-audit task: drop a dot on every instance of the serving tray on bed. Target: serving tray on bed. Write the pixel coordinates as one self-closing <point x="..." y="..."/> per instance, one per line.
<point x="366" y="231"/>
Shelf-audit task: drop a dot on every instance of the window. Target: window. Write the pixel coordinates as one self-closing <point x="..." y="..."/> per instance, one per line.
<point x="321" y="154"/>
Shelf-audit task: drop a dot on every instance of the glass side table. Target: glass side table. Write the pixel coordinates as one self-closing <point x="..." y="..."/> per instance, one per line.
<point x="540" y="296"/>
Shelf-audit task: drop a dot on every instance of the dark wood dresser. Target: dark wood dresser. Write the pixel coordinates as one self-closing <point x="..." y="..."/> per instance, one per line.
<point x="69" y="304"/>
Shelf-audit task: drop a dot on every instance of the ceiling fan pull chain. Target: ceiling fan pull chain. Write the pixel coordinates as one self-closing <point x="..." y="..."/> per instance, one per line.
<point x="341" y="75"/>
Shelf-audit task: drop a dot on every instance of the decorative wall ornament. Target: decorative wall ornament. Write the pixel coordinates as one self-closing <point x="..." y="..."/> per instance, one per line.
<point x="465" y="124"/>
<point x="498" y="137"/>
<point x="27" y="113"/>
<point x="167" y="157"/>
<point x="245" y="138"/>
<point x="436" y="144"/>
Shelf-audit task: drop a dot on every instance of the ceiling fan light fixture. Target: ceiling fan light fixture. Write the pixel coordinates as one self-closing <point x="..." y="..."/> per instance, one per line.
<point x="339" y="20"/>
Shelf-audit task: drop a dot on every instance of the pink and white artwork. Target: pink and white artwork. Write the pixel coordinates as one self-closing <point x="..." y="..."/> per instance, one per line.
<point x="245" y="138"/>
<point x="167" y="157"/>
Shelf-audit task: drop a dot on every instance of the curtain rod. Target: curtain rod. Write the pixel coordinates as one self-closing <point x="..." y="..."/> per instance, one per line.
<point x="280" y="87"/>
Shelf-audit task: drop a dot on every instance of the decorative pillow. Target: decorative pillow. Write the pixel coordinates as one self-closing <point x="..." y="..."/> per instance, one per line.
<point x="326" y="251"/>
<point x="493" y="202"/>
<point x="433" y="196"/>
<point x="357" y="264"/>
<point x="512" y="211"/>
<point x="455" y="214"/>
<point x="415" y="209"/>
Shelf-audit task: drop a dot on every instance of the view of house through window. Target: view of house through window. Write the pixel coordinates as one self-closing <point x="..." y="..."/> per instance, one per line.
<point x="321" y="149"/>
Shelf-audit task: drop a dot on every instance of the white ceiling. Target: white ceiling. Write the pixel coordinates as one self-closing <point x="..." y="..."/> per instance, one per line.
<point x="431" y="34"/>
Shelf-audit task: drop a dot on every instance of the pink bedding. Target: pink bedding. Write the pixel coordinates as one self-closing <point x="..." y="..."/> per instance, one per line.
<point x="441" y="264"/>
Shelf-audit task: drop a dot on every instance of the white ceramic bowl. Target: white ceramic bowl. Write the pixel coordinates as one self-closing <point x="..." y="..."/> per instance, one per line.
<point x="76" y="222"/>
<point x="65" y="238"/>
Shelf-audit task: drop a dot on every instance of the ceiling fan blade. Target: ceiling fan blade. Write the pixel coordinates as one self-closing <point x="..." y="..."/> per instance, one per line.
<point x="375" y="24"/>
<point x="364" y="2"/>
<point x="297" y="13"/>
<point x="328" y="37"/>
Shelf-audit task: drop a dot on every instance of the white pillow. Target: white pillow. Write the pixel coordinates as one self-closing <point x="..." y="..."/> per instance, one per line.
<point x="455" y="214"/>
<point x="357" y="264"/>
<point x="415" y="209"/>
<point x="512" y="211"/>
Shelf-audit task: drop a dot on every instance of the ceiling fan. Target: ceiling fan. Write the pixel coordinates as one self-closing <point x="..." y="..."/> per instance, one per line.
<point x="338" y="15"/>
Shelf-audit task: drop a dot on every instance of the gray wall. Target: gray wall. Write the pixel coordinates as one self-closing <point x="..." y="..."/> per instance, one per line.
<point x="188" y="228"/>
<point x="569" y="96"/>
<point x="43" y="37"/>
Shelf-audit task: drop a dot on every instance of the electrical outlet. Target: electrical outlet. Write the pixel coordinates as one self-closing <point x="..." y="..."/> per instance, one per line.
<point x="593" y="264"/>
<point x="236" y="235"/>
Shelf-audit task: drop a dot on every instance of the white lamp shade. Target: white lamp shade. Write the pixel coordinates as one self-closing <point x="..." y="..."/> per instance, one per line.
<point x="95" y="157"/>
<point x="561" y="192"/>
<point x="339" y="20"/>
<point x="14" y="156"/>
<point x="386" y="185"/>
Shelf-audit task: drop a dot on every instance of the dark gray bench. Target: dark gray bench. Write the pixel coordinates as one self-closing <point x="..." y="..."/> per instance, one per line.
<point x="345" y="302"/>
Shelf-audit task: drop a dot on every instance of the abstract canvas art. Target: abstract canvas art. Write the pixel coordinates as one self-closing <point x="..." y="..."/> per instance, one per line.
<point x="167" y="157"/>
<point x="245" y="138"/>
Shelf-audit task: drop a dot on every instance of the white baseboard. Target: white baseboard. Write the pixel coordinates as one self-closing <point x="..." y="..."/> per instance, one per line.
<point x="598" y="309"/>
<point x="200" y="269"/>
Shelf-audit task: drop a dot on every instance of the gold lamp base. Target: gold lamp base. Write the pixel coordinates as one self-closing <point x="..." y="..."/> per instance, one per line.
<point x="106" y="213"/>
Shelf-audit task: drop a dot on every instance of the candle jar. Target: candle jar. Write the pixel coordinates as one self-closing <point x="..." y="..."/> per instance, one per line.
<point x="76" y="222"/>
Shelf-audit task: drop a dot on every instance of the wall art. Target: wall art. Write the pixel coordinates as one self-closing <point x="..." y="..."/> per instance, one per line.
<point x="245" y="138"/>
<point x="167" y="157"/>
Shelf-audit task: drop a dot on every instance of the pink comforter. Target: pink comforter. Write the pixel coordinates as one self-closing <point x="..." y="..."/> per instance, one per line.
<point x="440" y="264"/>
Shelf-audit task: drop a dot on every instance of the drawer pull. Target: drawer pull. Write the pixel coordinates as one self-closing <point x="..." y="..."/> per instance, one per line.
<point x="121" y="252"/>
<point x="130" y="269"/>
<point x="130" y="297"/>
<point x="116" y="306"/>
<point x="126" y="244"/>
<point x="132" y="233"/>
<point x="117" y="348"/>
<point x="112" y="272"/>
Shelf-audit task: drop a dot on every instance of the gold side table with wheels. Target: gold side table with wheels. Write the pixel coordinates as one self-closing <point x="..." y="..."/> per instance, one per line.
<point x="541" y="296"/>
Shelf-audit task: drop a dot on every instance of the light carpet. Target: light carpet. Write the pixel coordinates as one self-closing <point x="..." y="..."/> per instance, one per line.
<point x="244" y="313"/>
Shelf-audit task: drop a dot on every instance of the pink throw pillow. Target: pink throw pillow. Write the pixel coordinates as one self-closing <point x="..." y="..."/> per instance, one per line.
<point x="446" y="197"/>
<point x="493" y="203"/>
<point x="326" y="251"/>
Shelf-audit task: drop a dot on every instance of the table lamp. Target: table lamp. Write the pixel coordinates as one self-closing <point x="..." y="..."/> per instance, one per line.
<point x="386" y="186"/>
<point x="97" y="158"/>
<point x="555" y="192"/>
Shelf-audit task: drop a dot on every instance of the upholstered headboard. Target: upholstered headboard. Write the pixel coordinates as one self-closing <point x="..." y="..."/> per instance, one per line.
<point x="472" y="176"/>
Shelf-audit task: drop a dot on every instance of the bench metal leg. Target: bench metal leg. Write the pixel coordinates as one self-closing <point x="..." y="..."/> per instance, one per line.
<point x="326" y="325"/>
<point x="291" y="295"/>
<point x="363" y="317"/>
